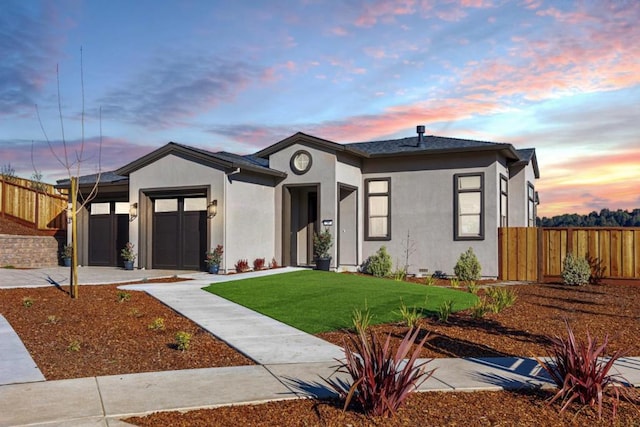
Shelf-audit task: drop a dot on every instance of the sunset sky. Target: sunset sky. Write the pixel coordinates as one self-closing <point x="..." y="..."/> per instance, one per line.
<point x="562" y="77"/>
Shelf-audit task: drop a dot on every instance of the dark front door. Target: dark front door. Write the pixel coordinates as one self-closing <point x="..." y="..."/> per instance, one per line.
<point x="108" y="232"/>
<point x="301" y="206"/>
<point x="179" y="233"/>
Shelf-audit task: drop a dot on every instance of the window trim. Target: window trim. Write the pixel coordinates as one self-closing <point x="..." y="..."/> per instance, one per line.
<point x="456" y="203"/>
<point x="531" y="202"/>
<point x="367" y="194"/>
<point x="503" y="178"/>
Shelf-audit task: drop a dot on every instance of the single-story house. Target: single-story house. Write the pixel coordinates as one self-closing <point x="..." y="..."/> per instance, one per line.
<point x="424" y="197"/>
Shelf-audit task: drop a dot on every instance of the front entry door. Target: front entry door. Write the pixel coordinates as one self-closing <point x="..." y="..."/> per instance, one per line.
<point x="179" y="233"/>
<point x="300" y="222"/>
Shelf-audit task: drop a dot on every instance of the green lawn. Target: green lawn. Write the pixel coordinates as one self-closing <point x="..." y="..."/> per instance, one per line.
<point x="317" y="301"/>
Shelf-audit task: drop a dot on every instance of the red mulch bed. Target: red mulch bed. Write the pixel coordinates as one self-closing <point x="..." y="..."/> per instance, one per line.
<point x="114" y="337"/>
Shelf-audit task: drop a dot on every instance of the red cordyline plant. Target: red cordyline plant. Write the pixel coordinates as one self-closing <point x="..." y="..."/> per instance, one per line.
<point x="581" y="370"/>
<point x="380" y="381"/>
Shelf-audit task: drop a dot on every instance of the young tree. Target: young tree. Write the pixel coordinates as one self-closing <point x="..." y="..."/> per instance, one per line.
<point x="73" y="163"/>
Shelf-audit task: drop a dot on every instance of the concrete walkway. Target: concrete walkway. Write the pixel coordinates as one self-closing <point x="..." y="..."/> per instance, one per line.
<point x="261" y="338"/>
<point x="103" y="401"/>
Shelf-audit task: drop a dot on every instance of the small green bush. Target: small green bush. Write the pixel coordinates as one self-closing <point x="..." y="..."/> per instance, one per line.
<point x="379" y="264"/>
<point x="444" y="311"/>
<point x="473" y="287"/>
<point x="430" y="281"/>
<point x="468" y="267"/>
<point x="502" y="298"/>
<point x="157" y="324"/>
<point x="454" y="282"/>
<point x="481" y="308"/>
<point x="74" y="345"/>
<point x="183" y="340"/>
<point x="27" y="301"/>
<point x="361" y="319"/>
<point x="576" y="271"/>
<point x="123" y="296"/>
<point x="410" y="316"/>
<point x="52" y="319"/>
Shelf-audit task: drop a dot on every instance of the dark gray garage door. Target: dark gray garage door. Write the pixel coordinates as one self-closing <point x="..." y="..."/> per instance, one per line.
<point x="179" y="233"/>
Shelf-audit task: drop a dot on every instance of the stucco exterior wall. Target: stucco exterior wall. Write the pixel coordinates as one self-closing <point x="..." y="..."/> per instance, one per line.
<point x="172" y="173"/>
<point x="322" y="171"/>
<point x="251" y="220"/>
<point x="518" y="197"/>
<point x="422" y="207"/>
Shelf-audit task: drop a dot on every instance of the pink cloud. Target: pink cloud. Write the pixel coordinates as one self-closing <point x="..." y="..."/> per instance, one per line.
<point x="339" y="31"/>
<point x="384" y="10"/>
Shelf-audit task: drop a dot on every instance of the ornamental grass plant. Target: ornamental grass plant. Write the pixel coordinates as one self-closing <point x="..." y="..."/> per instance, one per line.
<point x="380" y="380"/>
<point x="581" y="371"/>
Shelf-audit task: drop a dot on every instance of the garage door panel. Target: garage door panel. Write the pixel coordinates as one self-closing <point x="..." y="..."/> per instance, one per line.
<point x="165" y="239"/>
<point x="100" y="240"/>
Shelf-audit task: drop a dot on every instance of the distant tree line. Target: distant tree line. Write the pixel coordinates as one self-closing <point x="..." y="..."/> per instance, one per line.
<point x="606" y="218"/>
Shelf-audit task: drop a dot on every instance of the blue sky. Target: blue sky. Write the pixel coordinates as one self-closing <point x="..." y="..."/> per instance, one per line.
<point x="561" y="76"/>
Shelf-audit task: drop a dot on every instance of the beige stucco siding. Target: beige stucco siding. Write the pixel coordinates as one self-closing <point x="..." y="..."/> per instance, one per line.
<point x="422" y="206"/>
<point x="172" y="173"/>
<point x="322" y="171"/>
<point x="250" y="225"/>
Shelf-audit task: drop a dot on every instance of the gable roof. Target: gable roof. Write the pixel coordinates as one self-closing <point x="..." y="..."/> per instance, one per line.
<point x="304" y="138"/>
<point x="221" y="159"/>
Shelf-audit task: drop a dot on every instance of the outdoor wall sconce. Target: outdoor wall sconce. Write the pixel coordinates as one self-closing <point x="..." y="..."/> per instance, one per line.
<point x="212" y="209"/>
<point x="133" y="211"/>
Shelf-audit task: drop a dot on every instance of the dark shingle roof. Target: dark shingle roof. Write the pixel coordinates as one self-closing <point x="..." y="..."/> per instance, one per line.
<point x="431" y="143"/>
<point x="105" y="178"/>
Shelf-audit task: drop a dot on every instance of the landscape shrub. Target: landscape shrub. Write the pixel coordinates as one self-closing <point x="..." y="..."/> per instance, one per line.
<point x="273" y="263"/>
<point x="183" y="340"/>
<point x="580" y="370"/>
<point x="480" y="308"/>
<point x="444" y="311"/>
<point x="242" y="265"/>
<point x="380" y="380"/>
<point x="258" y="264"/>
<point x="74" y="345"/>
<point x="501" y="298"/>
<point x="157" y="324"/>
<point x="410" y="316"/>
<point x="468" y="267"/>
<point x="430" y="281"/>
<point x="454" y="282"/>
<point x="27" y="302"/>
<point x="361" y="319"/>
<point x="123" y="296"/>
<point x="379" y="264"/>
<point x="473" y="287"/>
<point x="576" y="271"/>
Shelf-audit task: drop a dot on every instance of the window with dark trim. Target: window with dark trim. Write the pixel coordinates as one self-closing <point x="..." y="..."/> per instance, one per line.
<point x="469" y="206"/>
<point x="504" y="201"/>
<point x="378" y="209"/>
<point x="531" y="205"/>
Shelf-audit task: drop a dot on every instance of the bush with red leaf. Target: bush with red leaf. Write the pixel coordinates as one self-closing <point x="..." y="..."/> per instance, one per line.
<point x="381" y="381"/>
<point x="242" y="265"/>
<point x="273" y="263"/>
<point x="580" y="369"/>
<point x="258" y="264"/>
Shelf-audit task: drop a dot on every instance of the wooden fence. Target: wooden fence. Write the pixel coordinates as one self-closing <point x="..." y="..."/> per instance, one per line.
<point x="537" y="254"/>
<point x="33" y="205"/>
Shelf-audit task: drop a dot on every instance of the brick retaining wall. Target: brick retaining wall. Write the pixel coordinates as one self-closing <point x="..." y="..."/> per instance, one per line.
<point x="29" y="251"/>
